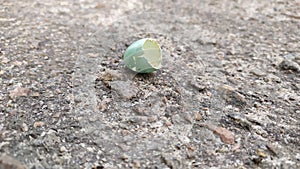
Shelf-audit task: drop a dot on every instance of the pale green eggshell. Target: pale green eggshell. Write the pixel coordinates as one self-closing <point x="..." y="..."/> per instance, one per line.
<point x="143" y="56"/>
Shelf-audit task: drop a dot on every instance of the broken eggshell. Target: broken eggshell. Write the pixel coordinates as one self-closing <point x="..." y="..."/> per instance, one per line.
<point x="143" y="56"/>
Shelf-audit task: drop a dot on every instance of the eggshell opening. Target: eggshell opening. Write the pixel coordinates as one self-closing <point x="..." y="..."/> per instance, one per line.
<point x="152" y="53"/>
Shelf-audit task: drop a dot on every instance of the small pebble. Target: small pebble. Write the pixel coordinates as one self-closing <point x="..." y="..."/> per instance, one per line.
<point x="257" y="72"/>
<point x="24" y="127"/>
<point x="18" y="92"/>
<point x="136" y="164"/>
<point x="168" y="123"/>
<point x="56" y="115"/>
<point x="125" y="157"/>
<point x="261" y="153"/>
<point x="90" y="149"/>
<point x="289" y="65"/>
<point x="38" y="124"/>
<point x="63" y="149"/>
<point x="198" y="116"/>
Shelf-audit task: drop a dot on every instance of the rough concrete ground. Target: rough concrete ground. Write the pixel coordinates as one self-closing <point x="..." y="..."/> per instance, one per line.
<point x="226" y="97"/>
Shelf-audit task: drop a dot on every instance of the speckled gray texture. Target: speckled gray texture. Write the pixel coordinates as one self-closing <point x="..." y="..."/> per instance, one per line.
<point x="229" y="65"/>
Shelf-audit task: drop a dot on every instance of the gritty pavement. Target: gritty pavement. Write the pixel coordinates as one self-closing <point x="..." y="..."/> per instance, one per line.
<point x="227" y="95"/>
